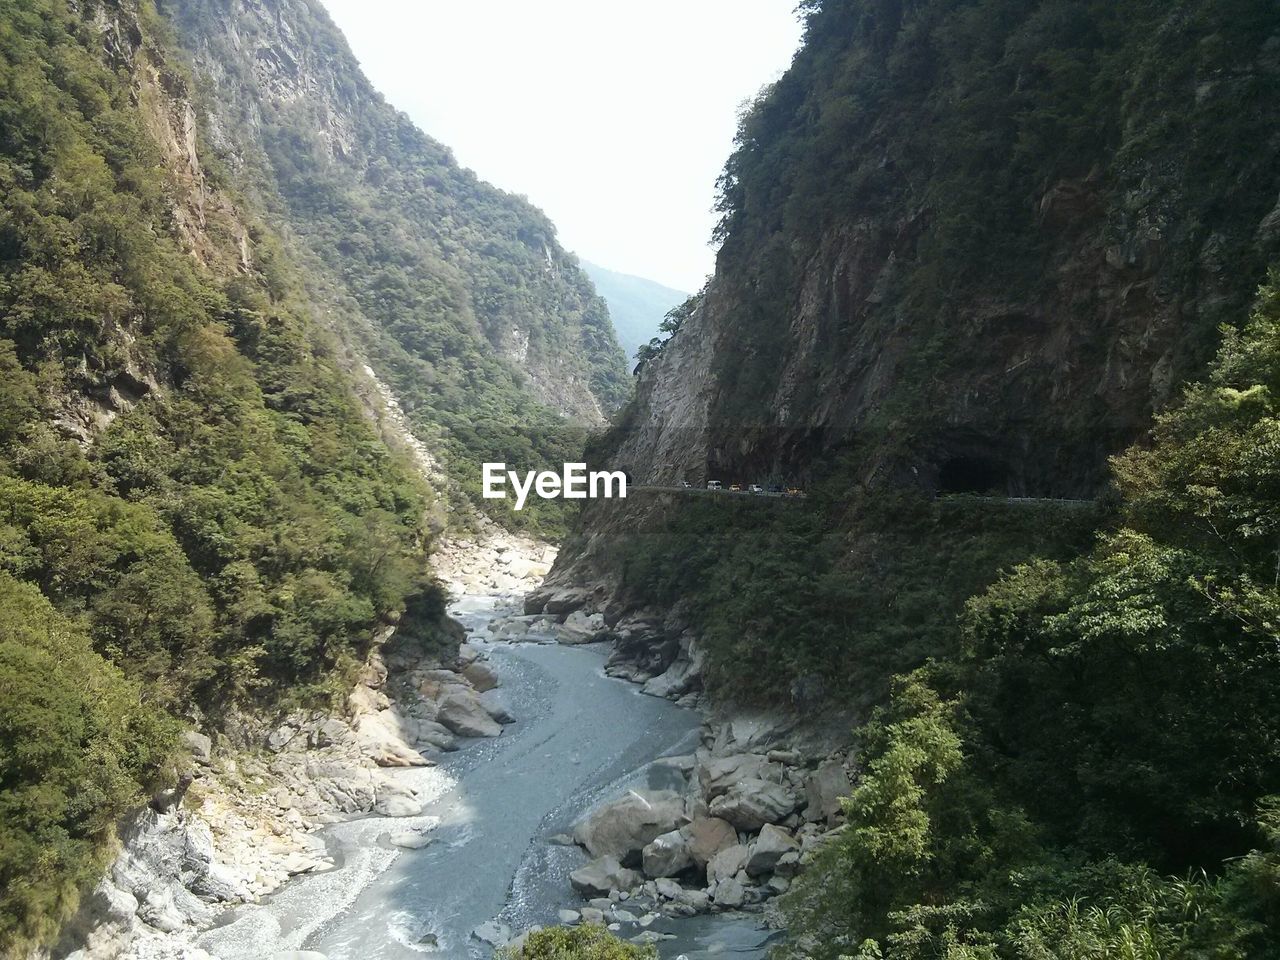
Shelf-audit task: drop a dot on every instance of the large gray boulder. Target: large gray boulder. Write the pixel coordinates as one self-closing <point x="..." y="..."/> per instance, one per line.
<point x="462" y="711"/>
<point x="727" y="863"/>
<point x="768" y="849"/>
<point x="625" y="826"/>
<point x="481" y="675"/>
<point x="707" y="836"/>
<point x="717" y="775"/>
<point x="730" y="893"/>
<point x="602" y="876"/>
<point x="580" y="627"/>
<point x="667" y="855"/>
<point x="751" y="803"/>
<point x="824" y="790"/>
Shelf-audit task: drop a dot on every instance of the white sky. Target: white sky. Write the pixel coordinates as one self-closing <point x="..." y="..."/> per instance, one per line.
<point x="615" y="118"/>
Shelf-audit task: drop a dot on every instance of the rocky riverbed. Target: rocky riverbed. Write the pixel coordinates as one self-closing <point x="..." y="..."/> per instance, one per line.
<point x="457" y="801"/>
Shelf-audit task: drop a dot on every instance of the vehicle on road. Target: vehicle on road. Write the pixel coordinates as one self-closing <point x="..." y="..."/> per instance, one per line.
<point x="735" y="488"/>
<point x="714" y="485"/>
<point x="794" y="492"/>
<point x="754" y="488"/>
<point x="775" y="488"/>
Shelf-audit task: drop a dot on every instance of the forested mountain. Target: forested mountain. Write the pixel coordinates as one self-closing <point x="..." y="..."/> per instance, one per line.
<point x="198" y="513"/>
<point x="459" y="294"/>
<point x="636" y="305"/>
<point x="975" y="250"/>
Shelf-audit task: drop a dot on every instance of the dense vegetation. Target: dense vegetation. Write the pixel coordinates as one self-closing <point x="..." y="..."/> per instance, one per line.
<point x="1107" y="722"/>
<point x="459" y="294"/>
<point x="585" y="942"/>
<point x="190" y="495"/>
<point x="939" y="190"/>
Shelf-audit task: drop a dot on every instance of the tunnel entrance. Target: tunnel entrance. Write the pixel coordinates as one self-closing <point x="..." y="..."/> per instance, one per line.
<point x="973" y="475"/>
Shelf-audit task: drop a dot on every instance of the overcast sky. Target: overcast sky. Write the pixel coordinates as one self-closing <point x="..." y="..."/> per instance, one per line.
<point x="615" y="118"/>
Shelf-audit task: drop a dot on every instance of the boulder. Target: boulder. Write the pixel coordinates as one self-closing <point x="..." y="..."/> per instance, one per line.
<point x="717" y="775"/>
<point x="602" y="876"/>
<point x="580" y="627"/>
<point x="496" y="706"/>
<point x="666" y="855"/>
<point x="625" y="826"/>
<point x="751" y="803"/>
<point x="562" y="602"/>
<point x="768" y="849"/>
<point x="200" y="746"/>
<point x="730" y="893"/>
<point x="481" y="675"/>
<point x="462" y="711"/>
<point x="707" y="836"/>
<point x="824" y="790"/>
<point x="727" y="863"/>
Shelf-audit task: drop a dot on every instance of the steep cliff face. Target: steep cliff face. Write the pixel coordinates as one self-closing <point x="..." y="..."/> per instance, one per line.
<point x="973" y="246"/>
<point x="460" y="292"/>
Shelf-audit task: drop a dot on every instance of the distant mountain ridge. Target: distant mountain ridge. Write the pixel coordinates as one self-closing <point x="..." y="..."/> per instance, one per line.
<point x="636" y="305"/>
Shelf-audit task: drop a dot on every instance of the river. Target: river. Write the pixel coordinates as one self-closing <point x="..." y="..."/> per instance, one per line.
<point x="580" y="737"/>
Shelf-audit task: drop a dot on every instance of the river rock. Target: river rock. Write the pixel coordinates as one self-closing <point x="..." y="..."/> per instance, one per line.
<point x="751" y="803"/>
<point x="492" y="932"/>
<point x="717" y="775"/>
<point x="768" y="849"/>
<point x="580" y="627"/>
<point x="562" y="602"/>
<point x="824" y="790"/>
<point x="727" y="863"/>
<point x="667" y="855"/>
<point x="625" y="826"/>
<point x="730" y="893"/>
<point x="462" y="711"/>
<point x="496" y="706"/>
<point x="603" y="876"/>
<point x="708" y="836"/>
<point x="481" y="676"/>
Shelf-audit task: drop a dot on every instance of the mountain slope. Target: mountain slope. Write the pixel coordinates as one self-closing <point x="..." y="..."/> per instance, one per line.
<point x="459" y="294"/>
<point x="636" y="305"/>
<point x="978" y="243"/>
<point x="198" y="516"/>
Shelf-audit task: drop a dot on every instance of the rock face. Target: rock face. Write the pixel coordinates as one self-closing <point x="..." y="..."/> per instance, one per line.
<point x="839" y="333"/>
<point x="273" y="68"/>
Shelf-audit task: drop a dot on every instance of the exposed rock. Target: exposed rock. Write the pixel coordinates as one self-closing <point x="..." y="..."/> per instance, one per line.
<point x="462" y="711"/>
<point x="480" y="675"/>
<point x="717" y="775"/>
<point x="707" y="836"/>
<point x="603" y="876"/>
<point x="580" y="627"/>
<point x="768" y="849"/>
<point x="730" y="893"/>
<point x="727" y="862"/>
<point x="200" y="746"/>
<point x="751" y="803"/>
<point x="667" y="855"/>
<point x="824" y="790"/>
<point x="623" y="827"/>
